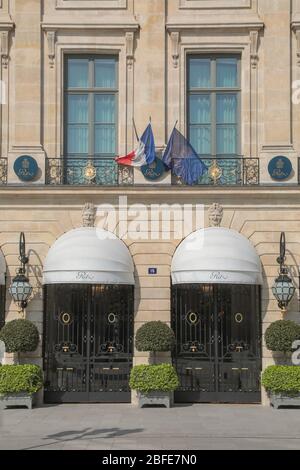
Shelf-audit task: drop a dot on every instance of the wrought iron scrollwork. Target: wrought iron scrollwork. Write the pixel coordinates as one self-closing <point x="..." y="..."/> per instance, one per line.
<point x="65" y="347"/>
<point x="3" y="171"/>
<point x="193" y="346"/>
<point x="222" y="171"/>
<point x="111" y="347"/>
<point x="87" y="171"/>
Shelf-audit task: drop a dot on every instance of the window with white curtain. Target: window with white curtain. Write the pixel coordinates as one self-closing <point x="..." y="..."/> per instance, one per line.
<point x="91" y="97"/>
<point x="214" y="105"/>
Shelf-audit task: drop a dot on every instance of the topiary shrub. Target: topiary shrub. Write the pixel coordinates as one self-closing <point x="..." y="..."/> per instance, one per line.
<point x="15" y="379"/>
<point x="282" y="379"/>
<point x="20" y="336"/>
<point x="150" y="378"/>
<point x="281" y="334"/>
<point x="154" y="336"/>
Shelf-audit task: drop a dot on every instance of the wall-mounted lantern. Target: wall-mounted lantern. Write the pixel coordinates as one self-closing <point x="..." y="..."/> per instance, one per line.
<point x="283" y="289"/>
<point x="20" y="289"/>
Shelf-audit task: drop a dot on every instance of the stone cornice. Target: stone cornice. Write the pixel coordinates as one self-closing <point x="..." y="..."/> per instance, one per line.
<point x="230" y="23"/>
<point x="57" y="26"/>
<point x="268" y="195"/>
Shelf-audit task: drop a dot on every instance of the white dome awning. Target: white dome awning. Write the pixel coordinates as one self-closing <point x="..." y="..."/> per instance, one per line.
<point x="2" y="269"/>
<point x="89" y="255"/>
<point x="216" y="256"/>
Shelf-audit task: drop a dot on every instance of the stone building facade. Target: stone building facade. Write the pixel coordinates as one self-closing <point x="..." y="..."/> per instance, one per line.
<point x="152" y="43"/>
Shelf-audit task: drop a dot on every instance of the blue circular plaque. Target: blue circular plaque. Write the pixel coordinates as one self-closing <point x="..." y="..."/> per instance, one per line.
<point x="280" y="168"/>
<point x="26" y="168"/>
<point x="154" y="171"/>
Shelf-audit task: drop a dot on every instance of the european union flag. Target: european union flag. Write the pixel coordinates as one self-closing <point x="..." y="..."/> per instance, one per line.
<point x="183" y="160"/>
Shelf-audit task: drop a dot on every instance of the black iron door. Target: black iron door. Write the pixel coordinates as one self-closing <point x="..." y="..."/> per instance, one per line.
<point x="218" y="347"/>
<point x="88" y="343"/>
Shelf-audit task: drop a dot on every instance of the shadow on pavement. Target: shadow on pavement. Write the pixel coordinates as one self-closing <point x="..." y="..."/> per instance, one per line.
<point x="87" y="433"/>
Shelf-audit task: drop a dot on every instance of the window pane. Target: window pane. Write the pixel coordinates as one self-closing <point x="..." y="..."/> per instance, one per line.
<point x="78" y="137"/>
<point x="200" y="138"/>
<point x="226" y="109"/>
<point x="200" y="109"/>
<point x="226" y="140"/>
<point x="78" y="109"/>
<point x="105" y="109"/>
<point x="105" y="73"/>
<point x="78" y="73"/>
<point x="227" y="72"/>
<point x="199" y="73"/>
<point x="105" y="139"/>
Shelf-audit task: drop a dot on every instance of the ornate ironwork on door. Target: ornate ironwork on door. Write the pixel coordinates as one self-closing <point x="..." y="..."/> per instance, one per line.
<point x="218" y="347"/>
<point x="88" y="343"/>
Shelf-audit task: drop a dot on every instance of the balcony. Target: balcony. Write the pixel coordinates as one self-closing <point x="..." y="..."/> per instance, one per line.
<point x="3" y="171"/>
<point x="92" y="171"/>
<point x="237" y="171"/>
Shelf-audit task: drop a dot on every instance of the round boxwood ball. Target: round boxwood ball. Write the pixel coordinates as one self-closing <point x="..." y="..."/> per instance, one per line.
<point x="281" y="334"/>
<point x="20" y="336"/>
<point x="154" y="336"/>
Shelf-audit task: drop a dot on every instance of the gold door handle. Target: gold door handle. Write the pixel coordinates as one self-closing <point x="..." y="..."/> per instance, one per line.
<point x="70" y="369"/>
<point x="245" y="368"/>
<point x="235" y="368"/>
<point x="199" y="368"/>
<point x="59" y="369"/>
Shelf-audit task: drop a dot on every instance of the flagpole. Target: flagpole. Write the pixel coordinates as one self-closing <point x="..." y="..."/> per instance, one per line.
<point x="135" y="130"/>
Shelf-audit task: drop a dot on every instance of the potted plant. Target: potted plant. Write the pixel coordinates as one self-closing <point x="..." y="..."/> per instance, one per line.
<point x="281" y="335"/>
<point x="19" y="336"/>
<point x="19" y="384"/>
<point x="155" y="384"/>
<point x="283" y="385"/>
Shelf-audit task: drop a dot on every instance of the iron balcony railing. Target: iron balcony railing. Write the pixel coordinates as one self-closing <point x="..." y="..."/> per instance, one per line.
<point x="87" y="171"/>
<point x="225" y="171"/>
<point x="3" y="171"/>
<point x="222" y="171"/>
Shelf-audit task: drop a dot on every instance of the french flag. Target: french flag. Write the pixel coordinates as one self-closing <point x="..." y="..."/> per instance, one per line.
<point x="144" y="154"/>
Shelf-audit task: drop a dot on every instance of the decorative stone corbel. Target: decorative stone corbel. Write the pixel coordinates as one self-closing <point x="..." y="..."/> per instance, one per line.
<point x="175" y="40"/>
<point x="215" y="215"/>
<point x="130" y="49"/>
<point x="5" y="48"/>
<point x="51" y="38"/>
<point x="254" y="44"/>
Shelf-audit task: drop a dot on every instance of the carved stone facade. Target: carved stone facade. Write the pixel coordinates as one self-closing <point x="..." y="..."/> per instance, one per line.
<point x="152" y="44"/>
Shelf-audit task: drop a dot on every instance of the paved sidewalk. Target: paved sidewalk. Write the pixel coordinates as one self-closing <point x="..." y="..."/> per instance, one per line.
<point x="123" y="427"/>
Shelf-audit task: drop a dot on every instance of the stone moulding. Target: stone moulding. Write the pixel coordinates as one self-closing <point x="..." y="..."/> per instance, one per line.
<point x="5" y="30"/>
<point x="296" y="29"/>
<point x="235" y="24"/>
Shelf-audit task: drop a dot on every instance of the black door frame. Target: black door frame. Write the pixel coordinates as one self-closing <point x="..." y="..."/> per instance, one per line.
<point x="88" y="343"/>
<point x="2" y="305"/>
<point x="214" y="361"/>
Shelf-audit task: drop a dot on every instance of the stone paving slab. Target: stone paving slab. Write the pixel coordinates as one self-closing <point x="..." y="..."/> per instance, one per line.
<point x="122" y="427"/>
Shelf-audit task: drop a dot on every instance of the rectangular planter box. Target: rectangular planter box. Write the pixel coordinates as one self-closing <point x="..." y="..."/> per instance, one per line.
<point x="155" y="399"/>
<point x="17" y="399"/>
<point x="280" y="400"/>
